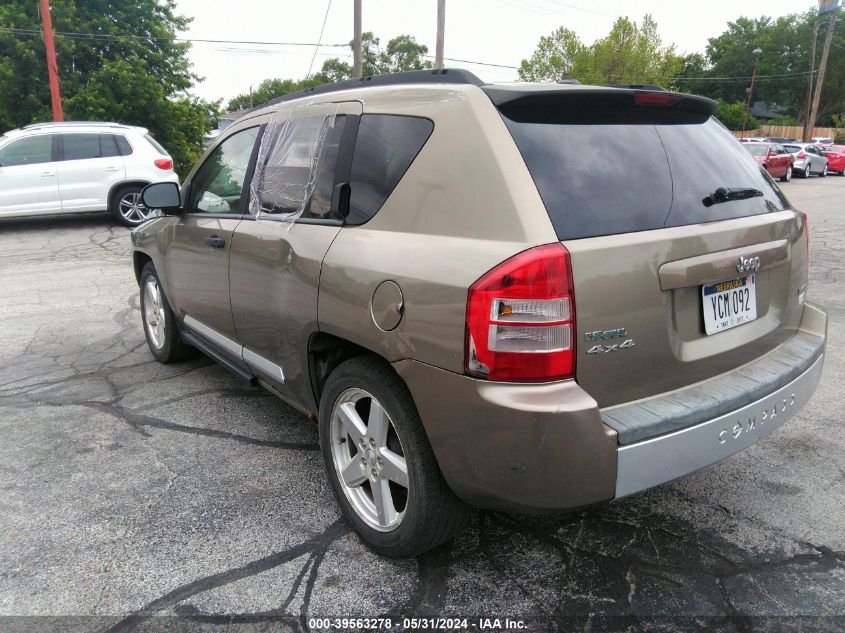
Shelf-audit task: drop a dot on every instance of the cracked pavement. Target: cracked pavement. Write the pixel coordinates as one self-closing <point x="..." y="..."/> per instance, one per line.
<point x="137" y="496"/>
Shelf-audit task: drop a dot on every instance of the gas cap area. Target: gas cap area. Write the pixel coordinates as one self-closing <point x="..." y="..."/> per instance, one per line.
<point x="387" y="306"/>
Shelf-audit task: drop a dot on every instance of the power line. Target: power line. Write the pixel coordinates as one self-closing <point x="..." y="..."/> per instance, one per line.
<point x="149" y="38"/>
<point x="319" y="39"/>
<point x="572" y="6"/>
<point x="469" y="61"/>
<point x="109" y="36"/>
<point x="537" y="8"/>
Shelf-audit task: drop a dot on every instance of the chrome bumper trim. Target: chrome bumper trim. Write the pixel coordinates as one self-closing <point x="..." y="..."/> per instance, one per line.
<point x="658" y="460"/>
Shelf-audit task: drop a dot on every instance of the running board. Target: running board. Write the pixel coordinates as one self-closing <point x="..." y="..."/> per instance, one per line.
<point x="192" y="339"/>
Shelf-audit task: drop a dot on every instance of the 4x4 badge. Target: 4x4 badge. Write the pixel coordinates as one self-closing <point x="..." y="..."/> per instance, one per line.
<point x="604" y="349"/>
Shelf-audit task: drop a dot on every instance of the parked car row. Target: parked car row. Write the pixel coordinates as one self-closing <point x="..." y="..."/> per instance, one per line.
<point x="816" y="140"/>
<point x="77" y="167"/>
<point x="781" y="160"/>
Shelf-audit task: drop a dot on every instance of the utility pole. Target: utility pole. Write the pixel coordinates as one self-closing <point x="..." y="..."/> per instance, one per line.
<point x="808" y="132"/>
<point x="441" y="27"/>
<point x="820" y="83"/>
<point x="756" y="52"/>
<point x="52" y="67"/>
<point x="356" y="41"/>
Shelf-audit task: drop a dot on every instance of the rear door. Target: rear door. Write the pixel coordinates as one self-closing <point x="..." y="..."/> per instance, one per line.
<point x="90" y="164"/>
<point x="197" y="253"/>
<point x="780" y="161"/>
<point x="278" y="250"/>
<point x="687" y="259"/>
<point x="28" y="183"/>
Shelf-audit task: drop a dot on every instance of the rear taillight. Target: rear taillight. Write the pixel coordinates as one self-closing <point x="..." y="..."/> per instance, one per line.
<point x="163" y="163"/>
<point x="802" y="155"/>
<point x="521" y="319"/>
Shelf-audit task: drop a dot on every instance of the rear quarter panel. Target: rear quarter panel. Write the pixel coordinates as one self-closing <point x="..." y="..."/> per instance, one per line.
<point x="466" y="204"/>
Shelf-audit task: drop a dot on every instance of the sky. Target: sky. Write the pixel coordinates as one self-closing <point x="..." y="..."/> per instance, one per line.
<point x="500" y="32"/>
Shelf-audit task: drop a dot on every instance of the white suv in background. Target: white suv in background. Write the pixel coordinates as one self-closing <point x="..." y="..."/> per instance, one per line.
<point x="80" y="167"/>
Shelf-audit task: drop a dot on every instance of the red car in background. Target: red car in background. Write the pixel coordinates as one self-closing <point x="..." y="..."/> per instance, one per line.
<point x="835" y="155"/>
<point x="772" y="156"/>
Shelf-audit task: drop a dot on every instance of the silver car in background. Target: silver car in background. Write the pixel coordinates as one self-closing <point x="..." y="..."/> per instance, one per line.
<point x="808" y="159"/>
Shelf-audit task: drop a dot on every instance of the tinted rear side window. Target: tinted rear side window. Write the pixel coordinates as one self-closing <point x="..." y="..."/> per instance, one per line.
<point x="81" y="146"/>
<point x="385" y="148"/>
<point x="123" y="146"/>
<point x="86" y="146"/>
<point x="607" y="178"/>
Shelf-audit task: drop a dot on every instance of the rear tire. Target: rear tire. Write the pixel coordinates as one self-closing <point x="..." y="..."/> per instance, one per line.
<point x="160" y="327"/>
<point x="373" y="442"/>
<point x="788" y="175"/>
<point x="806" y="172"/>
<point x="824" y="171"/>
<point x="126" y="206"/>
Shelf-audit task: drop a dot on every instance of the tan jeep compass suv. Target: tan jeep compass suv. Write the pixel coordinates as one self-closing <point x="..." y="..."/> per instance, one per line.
<point x="520" y="297"/>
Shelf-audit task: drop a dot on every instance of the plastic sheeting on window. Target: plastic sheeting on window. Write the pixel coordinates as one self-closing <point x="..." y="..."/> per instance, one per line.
<point x="286" y="168"/>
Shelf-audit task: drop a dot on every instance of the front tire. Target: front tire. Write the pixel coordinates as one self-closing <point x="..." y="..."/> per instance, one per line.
<point x="126" y="206"/>
<point x="788" y="175"/>
<point x="824" y="171"/>
<point x="160" y="328"/>
<point x="380" y="464"/>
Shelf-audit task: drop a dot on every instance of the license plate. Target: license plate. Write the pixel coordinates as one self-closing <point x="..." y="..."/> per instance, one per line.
<point x="729" y="303"/>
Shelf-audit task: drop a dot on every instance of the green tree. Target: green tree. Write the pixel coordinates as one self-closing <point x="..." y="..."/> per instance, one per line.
<point x="629" y="54"/>
<point x="783" y="64"/>
<point x="632" y="54"/>
<point x="557" y="57"/>
<point x="402" y="53"/>
<point x="731" y="115"/>
<point x="266" y="90"/>
<point x="122" y="64"/>
<point x="693" y="75"/>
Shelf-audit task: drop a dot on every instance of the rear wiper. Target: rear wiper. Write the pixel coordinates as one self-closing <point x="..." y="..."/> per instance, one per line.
<point x="726" y="194"/>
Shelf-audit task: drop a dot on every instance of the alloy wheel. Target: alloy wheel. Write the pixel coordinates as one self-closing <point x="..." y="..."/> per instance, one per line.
<point x="132" y="210"/>
<point x="154" y="312"/>
<point x="369" y="460"/>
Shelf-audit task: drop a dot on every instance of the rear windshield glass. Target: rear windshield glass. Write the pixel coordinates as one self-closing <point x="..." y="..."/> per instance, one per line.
<point x="606" y="178"/>
<point x="792" y="148"/>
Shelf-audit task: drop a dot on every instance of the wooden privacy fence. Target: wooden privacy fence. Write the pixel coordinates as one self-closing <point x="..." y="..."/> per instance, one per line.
<point x="789" y="131"/>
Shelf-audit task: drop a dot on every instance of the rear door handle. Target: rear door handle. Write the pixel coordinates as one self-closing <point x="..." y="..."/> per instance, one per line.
<point x="111" y="168"/>
<point x="48" y="174"/>
<point x="214" y="241"/>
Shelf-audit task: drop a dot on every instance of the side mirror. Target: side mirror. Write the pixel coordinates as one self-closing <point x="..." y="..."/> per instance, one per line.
<point x="164" y="196"/>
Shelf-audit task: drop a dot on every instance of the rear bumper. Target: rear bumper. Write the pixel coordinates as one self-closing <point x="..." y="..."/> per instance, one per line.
<point x="655" y="461"/>
<point x="548" y="447"/>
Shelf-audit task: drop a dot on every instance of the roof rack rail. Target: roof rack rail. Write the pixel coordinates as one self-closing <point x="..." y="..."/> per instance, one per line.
<point x="79" y="123"/>
<point x="437" y="76"/>
<point x="639" y="87"/>
<point x="573" y="82"/>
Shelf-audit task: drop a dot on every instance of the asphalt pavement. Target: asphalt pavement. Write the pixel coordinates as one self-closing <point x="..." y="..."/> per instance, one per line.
<point x="136" y="496"/>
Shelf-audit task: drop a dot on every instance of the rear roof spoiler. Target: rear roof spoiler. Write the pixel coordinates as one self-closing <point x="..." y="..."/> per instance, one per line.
<point x="595" y="104"/>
